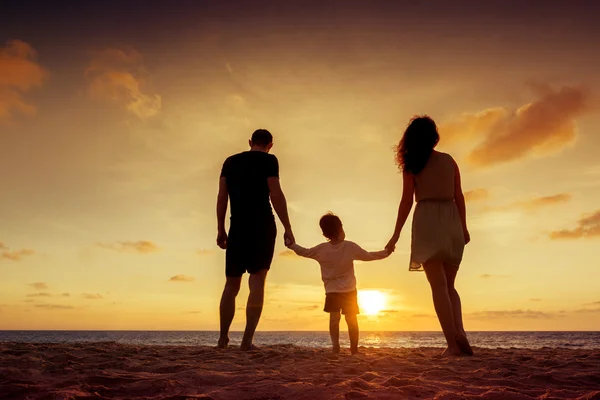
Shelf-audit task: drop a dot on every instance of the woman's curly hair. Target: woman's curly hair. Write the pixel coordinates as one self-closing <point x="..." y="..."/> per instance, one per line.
<point x="417" y="144"/>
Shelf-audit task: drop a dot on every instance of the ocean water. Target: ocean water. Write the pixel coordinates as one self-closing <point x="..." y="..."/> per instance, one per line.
<point x="531" y="340"/>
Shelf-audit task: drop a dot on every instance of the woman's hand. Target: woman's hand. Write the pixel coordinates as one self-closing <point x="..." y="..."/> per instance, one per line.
<point x="391" y="246"/>
<point x="467" y="235"/>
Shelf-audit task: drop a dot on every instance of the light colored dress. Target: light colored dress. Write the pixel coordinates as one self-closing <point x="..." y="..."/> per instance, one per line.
<point x="437" y="233"/>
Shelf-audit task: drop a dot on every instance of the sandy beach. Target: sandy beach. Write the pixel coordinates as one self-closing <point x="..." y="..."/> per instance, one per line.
<point x="115" y="371"/>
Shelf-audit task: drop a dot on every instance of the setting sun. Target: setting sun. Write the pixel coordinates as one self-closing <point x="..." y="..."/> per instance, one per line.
<point x="371" y="301"/>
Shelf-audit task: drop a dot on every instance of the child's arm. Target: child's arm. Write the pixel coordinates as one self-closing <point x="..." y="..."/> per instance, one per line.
<point x="313" y="252"/>
<point x="363" y="255"/>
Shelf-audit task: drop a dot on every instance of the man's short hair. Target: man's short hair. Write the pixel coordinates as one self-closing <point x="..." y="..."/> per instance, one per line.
<point x="331" y="225"/>
<point x="262" y="137"/>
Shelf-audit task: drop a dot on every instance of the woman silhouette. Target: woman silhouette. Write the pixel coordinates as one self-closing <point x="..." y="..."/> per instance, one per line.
<point x="439" y="229"/>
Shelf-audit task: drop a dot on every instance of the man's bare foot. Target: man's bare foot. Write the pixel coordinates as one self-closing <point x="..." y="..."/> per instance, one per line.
<point x="353" y="350"/>
<point x="336" y="349"/>
<point x="222" y="343"/>
<point x="251" y="347"/>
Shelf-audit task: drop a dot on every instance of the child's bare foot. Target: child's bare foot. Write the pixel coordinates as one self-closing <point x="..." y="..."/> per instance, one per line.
<point x="223" y="342"/>
<point x="336" y="349"/>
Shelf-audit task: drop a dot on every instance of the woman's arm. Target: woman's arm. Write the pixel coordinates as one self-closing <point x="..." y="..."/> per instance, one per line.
<point x="406" y="203"/>
<point x="459" y="199"/>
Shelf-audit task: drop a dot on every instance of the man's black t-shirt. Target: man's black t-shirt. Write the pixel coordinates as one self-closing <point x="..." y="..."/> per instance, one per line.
<point x="246" y="174"/>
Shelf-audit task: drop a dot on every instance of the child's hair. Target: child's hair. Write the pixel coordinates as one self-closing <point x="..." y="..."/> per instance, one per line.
<point x="331" y="225"/>
<point x="418" y="141"/>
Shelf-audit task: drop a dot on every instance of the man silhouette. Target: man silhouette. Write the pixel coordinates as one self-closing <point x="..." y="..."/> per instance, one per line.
<point x="249" y="179"/>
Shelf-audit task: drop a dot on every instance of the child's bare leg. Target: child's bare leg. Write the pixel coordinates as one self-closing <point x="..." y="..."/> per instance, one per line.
<point x="352" y="322"/>
<point x="334" y="330"/>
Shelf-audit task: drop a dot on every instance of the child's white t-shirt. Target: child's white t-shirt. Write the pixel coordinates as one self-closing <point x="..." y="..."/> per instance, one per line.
<point x="337" y="263"/>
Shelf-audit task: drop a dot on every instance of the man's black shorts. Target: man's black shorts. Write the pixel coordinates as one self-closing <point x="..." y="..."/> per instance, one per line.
<point x="250" y="247"/>
<point x="346" y="302"/>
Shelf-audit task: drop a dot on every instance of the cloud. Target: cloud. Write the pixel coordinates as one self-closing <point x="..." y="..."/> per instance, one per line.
<point x="535" y="299"/>
<point x="587" y="227"/>
<point x="3" y="246"/>
<point x="388" y="311"/>
<point x="16" y="255"/>
<point x="40" y="294"/>
<point x="542" y="127"/>
<point x="488" y="276"/>
<point x="477" y="194"/>
<point x="19" y="73"/>
<point x="54" y="306"/>
<point x="39" y="285"/>
<point x="181" y="278"/>
<point x="92" y="296"/>
<point x="309" y="308"/>
<point x="422" y="316"/>
<point x="141" y="246"/>
<point x="528" y="314"/>
<point x="194" y="312"/>
<point x="120" y="76"/>
<point x="534" y="204"/>
<point x="287" y="253"/>
<point x="205" y="252"/>
<point x="65" y="295"/>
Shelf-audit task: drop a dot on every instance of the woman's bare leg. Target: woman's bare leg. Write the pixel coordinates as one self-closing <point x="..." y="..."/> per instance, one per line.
<point x="454" y="298"/>
<point x="463" y="342"/>
<point x="441" y="301"/>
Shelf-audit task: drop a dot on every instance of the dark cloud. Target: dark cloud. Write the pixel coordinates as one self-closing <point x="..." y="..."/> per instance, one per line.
<point x="535" y="203"/>
<point x="309" y="308"/>
<point x="587" y="227"/>
<point x="40" y="294"/>
<point x="535" y="299"/>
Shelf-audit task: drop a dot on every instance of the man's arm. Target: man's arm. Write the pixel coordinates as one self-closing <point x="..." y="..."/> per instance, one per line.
<point x="363" y="255"/>
<point x="222" y="199"/>
<point x="280" y="206"/>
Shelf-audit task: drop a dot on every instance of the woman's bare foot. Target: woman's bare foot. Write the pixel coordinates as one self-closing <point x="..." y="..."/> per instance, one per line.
<point x="249" y="348"/>
<point x="336" y="349"/>
<point x="353" y="350"/>
<point x="452" y="352"/>
<point x="463" y="344"/>
<point x="222" y="343"/>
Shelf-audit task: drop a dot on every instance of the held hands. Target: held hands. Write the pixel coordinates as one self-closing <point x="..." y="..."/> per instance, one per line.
<point x="222" y="239"/>
<point x="391" y="246"/>
<point x="288" y="238"/>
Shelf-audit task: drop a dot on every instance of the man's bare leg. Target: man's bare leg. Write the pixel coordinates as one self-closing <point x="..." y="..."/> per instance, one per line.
<point x="227" y="308"/>
<point x="254" y="307"/>
<point x="334" y="330"/>
<point x="352" y="322"/>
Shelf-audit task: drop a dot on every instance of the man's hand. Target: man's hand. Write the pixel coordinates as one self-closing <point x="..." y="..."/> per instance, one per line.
<point x="288" y="238"/>
<point x="222" y="239"/>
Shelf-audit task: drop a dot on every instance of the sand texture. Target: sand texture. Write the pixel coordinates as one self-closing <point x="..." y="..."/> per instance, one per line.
<point x="115" y="371"/>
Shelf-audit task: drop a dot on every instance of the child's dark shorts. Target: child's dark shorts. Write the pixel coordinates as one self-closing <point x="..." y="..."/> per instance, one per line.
<point x="346" y="302"/>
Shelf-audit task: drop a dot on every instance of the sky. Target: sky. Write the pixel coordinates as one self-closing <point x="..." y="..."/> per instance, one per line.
<point x="115" y="119"/>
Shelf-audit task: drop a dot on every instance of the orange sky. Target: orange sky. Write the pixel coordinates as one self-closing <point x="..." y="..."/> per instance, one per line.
<point x="114" y="123"/>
